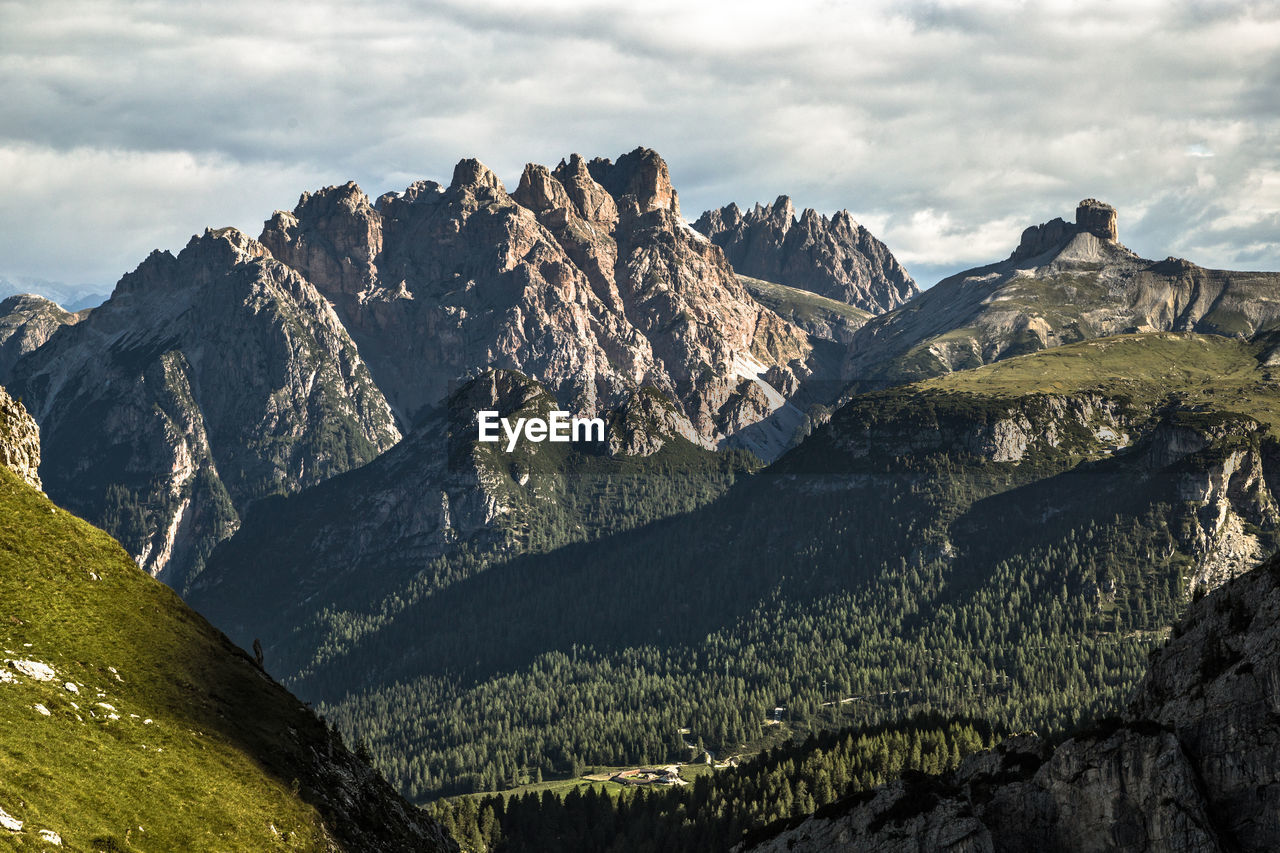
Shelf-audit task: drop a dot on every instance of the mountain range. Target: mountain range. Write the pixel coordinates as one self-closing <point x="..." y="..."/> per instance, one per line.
<point x="826" y="499"/>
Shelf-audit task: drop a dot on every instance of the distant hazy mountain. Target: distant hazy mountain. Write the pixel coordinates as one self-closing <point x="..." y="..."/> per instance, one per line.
<point x="836" y="258"/>
<point x="1065" y="282"/>
<point x="70" y="297"/>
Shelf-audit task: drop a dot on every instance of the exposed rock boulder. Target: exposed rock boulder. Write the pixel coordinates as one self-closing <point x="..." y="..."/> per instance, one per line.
<point x="836" y="258"/>
<point x="19" y="440"/>
<point x="1193" y="765"/>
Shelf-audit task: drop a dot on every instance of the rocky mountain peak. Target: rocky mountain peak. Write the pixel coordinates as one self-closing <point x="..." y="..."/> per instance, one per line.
<point x="334" y="233"/>
<point x="1092" y="217"/>
<point x="216" y="249"/>
<point x="1097" y="218"/>
<point x="836" y="258"/>
<point x="471" y="174"/>
<point x="208" y="380"/>
<point x="593" y="201"/>
<point x="19" y="440"/>
<point x="550" y="281"/>
<point x="640" y="174"/>
<point x="242" y="247"/>
<point x="540" y="191"/>
<point x="783" y="212"/>
<point x="348" y="196"/>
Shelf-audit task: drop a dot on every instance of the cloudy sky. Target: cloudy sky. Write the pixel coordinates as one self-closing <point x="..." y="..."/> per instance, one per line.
<point x="946" y="128"/>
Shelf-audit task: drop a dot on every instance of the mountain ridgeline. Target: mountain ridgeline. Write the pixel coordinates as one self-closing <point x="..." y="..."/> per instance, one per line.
<point x="206" y="381"/>
<point x="1065" y="282"/>
<point x="824" y="500"/>
<point x="243" y="368"/>
<point x="832" y="257"/>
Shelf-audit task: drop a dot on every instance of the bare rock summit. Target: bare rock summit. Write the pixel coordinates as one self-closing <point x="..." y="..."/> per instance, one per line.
<point x="584" y="278"/>
<point x="832" y="257"/>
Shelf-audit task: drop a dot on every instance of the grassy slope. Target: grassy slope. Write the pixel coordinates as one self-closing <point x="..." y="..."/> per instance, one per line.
<point x="793" y="302"/>
<point x="1196" y="370"/>
<point x="216" y="767"/>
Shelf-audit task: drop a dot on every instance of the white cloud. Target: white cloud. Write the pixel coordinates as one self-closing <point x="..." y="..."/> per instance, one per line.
<point x="138" y="122"/>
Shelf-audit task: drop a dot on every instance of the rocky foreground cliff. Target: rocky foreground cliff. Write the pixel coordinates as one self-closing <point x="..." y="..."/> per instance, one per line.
<point x="19" y="440"/>
<point x="1192" y="765"/>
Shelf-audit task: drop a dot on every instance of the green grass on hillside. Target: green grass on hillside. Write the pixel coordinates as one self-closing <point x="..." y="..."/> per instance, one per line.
<point x="791" y="302"/>
<point x="1223" y="373"/>
<point x="196" y="751"/>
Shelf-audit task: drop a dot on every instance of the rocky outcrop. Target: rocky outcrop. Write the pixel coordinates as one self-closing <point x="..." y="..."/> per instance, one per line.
<point x="1219" y="467"/>
<point x="1098" y="219"/>
<point x="19" y="440"/>
<point x="26" y="322"/>
<point x="993" y="430"/>
<point x="836" y="258"/>
<point x="644" y="424"/>
<point x="1065" y="282"/>
<point x="1193" y="765"/>
<point x="584" y="278"/>
<point x="1215" y="476"/>
<point x="208" y="380"/>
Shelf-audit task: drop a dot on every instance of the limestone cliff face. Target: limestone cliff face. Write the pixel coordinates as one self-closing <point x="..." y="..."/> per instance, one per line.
<point x="836" y="258"/>
<point x="26" y="322"/>
<point x="208" y="380"/>
<point x="1193" y="765"/>
<point x="1065" y="282"/>
<point x="19" y="440"/>
<point x="584" y="278"/>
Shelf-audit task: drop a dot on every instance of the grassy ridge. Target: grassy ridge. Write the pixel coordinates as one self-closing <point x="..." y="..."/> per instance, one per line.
<point x="796" y="304"/>
<point x="197" y="751"/>
<point x="1196" y="370"/>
